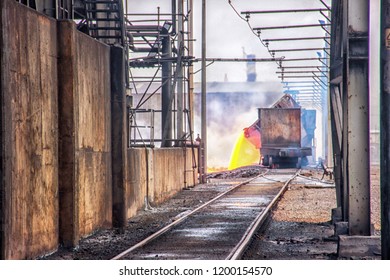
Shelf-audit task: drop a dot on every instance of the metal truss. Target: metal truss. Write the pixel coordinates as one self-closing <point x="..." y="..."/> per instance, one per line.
<point x="320" y="73"/>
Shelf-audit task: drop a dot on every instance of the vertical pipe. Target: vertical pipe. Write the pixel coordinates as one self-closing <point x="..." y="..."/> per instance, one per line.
<point x="47" y="7"/>
<point x="166" y="91"/>
<point x="118" y="136"/>
<point x="344" y="98"/>
<point x="203" y="93"/>
<point x="385" y="127"/>
<point x="173" y="8"/>
<point x="357" y="129"/>
<point x="179" y="66"/>
<point x="190" y="54"/>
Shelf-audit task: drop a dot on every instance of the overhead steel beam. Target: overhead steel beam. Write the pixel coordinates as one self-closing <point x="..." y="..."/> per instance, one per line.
<point x="296" y="39"/>
<point x="296" y="87"/>
<point x="316" y="91"/>
<point x="290" y="26"/>
<point x="303" y="76"/>
<point x="302" y="67"/>
<point x="301" y="82"/>
<point x="297" y="72"/>
<point x="243" y="59"/>
<point x="284" y="11"/>
<point x="299" y="50"/>
<point x="302" y="59"/>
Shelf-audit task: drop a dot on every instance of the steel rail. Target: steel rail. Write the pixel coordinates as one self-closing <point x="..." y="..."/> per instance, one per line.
<point x="181" y="219"/>
<point x="240" y="248"/>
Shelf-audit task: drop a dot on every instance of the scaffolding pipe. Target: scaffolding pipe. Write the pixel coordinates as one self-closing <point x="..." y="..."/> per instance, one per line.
<point x="284" y="11"/>
<point x="166" y="93"/>
<point x="180" y="71"/>
<point x="173" y="6"/>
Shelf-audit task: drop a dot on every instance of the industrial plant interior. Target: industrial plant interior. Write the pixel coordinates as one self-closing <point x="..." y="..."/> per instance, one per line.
<point x="114" y="111"/>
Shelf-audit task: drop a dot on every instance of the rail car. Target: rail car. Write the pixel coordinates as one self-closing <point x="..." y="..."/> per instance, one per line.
<point x="280" y="131"/>
<point x="283" y="133"/>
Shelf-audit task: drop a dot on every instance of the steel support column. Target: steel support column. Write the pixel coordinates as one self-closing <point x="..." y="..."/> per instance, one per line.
<point x="203" y="94"/>
<point x="356" y="129"/>
<point x="166" y="93"/>
<point x="385" y="128"/>
<point x="118" y="136"/>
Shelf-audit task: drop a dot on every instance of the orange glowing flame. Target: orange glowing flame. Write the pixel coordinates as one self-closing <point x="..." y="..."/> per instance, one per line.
<point x="245" y="151"/>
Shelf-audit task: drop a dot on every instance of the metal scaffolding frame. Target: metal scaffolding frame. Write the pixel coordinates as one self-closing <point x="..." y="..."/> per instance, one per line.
<point x="158" y="60"/>
<point x="59" y="9"/>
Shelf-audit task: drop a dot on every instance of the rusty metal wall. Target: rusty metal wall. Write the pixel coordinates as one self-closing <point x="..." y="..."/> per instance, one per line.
<point x="156" y="174"/>
<point x="40" y="202"/>
<point x="85" y="139"/>
<point x="29" y="132"/>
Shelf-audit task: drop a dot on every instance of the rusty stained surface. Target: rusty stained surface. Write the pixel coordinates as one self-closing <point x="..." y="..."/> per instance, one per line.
<point x="29" y="148"/>
<point x="147" y="175"/>
<point x="85" y="139"/>
<point x="280" y="127"/>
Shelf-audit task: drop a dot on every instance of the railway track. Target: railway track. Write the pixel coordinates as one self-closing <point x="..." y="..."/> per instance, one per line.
<point x="221" y="228"/>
